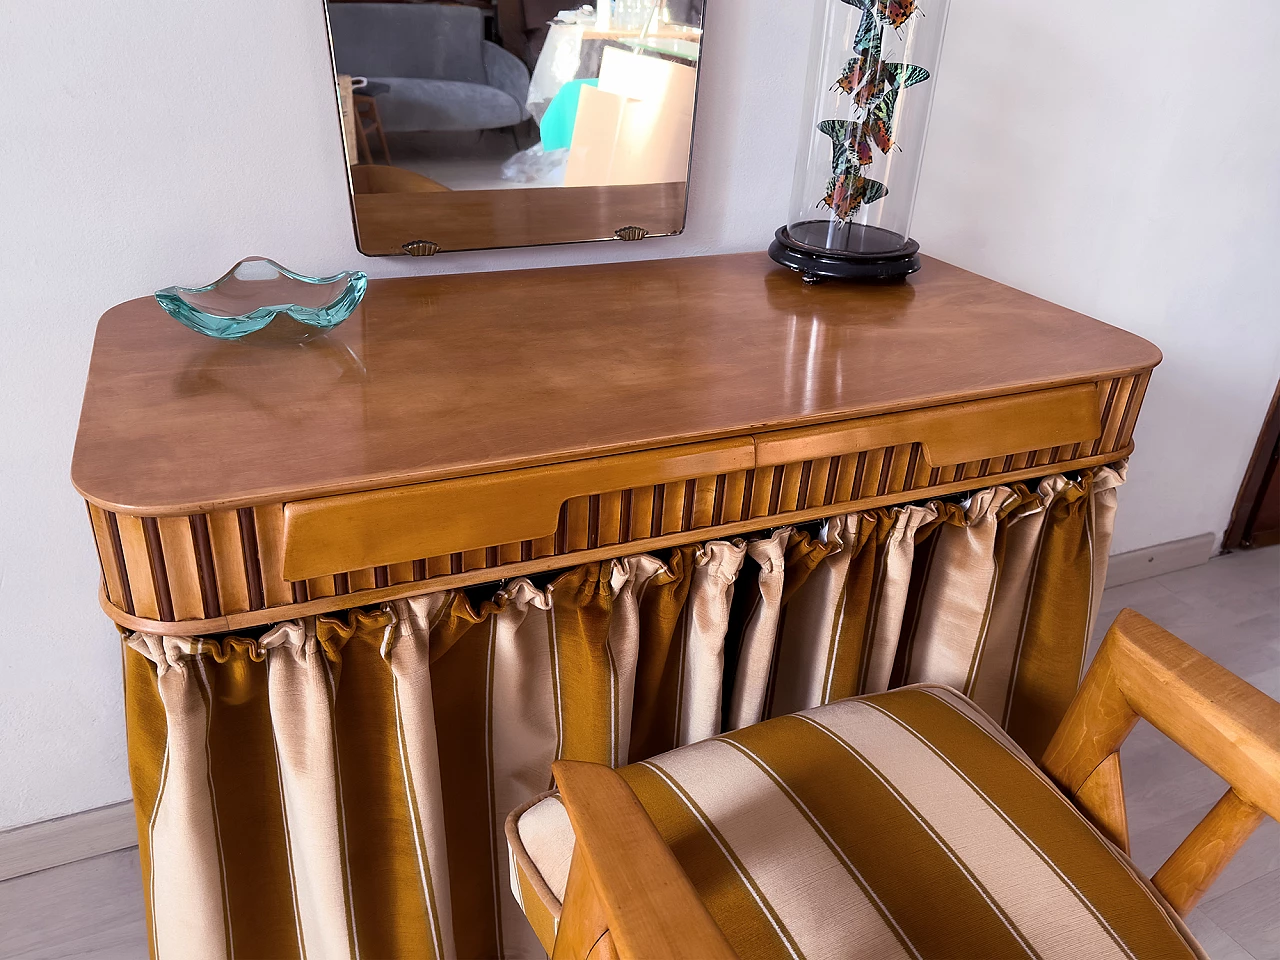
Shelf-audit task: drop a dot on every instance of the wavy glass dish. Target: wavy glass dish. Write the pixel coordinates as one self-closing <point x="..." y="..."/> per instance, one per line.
<point x="255" y="291"/>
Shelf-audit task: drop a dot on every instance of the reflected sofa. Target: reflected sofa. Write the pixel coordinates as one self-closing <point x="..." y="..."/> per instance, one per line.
<point x="441" y="72"/>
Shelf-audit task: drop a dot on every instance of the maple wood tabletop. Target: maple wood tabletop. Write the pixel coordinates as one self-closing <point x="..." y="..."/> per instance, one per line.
<point x="458" y="375"/>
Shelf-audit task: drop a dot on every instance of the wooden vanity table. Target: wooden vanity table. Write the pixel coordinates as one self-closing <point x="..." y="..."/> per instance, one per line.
<point x="682" y="419"/>
<point x="462" y="429"/>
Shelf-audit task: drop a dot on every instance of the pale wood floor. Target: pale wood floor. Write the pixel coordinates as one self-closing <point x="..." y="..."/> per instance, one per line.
<point x="1229" y="608"/>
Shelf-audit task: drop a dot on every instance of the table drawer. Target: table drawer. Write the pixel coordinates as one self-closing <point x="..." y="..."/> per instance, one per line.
<point x="351" y="532"/>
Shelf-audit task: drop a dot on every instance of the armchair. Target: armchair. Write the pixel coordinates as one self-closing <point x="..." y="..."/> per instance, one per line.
<point x="902" y="824"/>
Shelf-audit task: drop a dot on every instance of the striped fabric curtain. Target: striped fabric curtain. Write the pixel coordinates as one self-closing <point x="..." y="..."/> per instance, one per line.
<point x="338" y="786"/>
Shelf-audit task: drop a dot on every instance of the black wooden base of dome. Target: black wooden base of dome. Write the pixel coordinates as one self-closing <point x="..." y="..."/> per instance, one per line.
<point x="878" y="261"/>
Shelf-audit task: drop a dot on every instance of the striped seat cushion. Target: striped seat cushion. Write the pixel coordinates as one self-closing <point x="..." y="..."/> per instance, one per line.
<point x="903" y="824"/>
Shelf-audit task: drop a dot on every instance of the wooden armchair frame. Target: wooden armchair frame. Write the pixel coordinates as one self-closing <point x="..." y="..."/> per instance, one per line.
<point x="1143" y="671"/>
<point x="628" y="897"/>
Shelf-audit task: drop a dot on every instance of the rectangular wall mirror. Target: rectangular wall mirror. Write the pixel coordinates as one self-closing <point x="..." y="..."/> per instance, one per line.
<point x="510" y="123"/>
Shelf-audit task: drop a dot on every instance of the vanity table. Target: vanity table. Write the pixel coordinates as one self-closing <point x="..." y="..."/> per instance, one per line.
<point x="468" y="428"/>
<point x="312" y="522"/>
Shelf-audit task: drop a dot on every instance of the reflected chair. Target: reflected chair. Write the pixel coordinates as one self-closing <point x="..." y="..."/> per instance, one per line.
<point x="368" y="121"/>
<point x="901" y="824"/>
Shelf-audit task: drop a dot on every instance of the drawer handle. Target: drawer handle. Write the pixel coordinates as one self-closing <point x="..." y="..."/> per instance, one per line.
<point x="952" y="433"/>
<point x="356" y="531"/>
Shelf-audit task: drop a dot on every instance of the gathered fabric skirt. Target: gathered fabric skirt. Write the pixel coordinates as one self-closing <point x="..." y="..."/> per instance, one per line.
<point x="337" y="786"/>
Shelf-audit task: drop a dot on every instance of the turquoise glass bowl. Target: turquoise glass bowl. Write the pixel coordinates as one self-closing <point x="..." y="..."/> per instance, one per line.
<point x="255" y="291"/>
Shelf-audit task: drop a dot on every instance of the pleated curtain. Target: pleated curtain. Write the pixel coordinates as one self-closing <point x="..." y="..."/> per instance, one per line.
<point x="337" y="787"/>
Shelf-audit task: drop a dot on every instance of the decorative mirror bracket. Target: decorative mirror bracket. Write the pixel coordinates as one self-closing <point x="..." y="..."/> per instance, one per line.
<point x="631" y="233"/>
<point x="421" y="248"/>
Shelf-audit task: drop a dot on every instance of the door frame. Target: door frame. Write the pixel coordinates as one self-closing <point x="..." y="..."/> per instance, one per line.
<point x="1261" y="467"/>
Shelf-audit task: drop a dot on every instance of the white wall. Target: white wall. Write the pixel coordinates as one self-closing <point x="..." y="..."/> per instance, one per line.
<point x="1117" y="160"/>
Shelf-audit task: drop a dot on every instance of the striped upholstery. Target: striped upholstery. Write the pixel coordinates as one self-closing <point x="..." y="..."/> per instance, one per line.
<point x="301" y="770"/>
<point x="903" y="824"/>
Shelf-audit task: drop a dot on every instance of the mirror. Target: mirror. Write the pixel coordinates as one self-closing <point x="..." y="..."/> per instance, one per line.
<point x="507" y="123"/>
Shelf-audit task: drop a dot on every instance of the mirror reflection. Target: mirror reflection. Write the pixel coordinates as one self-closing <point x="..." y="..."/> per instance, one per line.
<point x="460" y="120"/>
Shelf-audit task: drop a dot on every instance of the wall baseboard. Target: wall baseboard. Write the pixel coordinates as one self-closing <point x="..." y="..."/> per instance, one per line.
<point x="1161" y="558"/>
<point x="78" y="836"/>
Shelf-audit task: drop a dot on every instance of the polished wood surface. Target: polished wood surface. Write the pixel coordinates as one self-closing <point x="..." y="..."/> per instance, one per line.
<point x="1143" y="671"/>
<point x="515" y="217"/>
<point x="453" y="376"/>
<point x="952" y="432"/>
<point x="396" y="456"/>
<point x="625" y="884"/>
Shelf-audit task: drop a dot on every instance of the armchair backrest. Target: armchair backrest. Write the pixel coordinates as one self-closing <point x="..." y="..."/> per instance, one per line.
<point x="430" y="41"/>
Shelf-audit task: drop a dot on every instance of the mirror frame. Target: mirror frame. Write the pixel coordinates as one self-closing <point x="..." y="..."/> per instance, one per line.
<point x="424" y="224"/>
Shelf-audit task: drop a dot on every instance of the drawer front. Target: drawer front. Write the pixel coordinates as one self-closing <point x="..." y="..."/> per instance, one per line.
<point x="355" y="531"/>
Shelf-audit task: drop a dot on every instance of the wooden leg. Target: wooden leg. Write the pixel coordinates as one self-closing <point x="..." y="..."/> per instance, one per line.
<point x="1191" y="869"/>
<point x="1103" y="793"/>
<point x="382" y="137"/>
<point x="368" y="120"/>
<point x="362" y="143"/>
<point x="583" y="923"/>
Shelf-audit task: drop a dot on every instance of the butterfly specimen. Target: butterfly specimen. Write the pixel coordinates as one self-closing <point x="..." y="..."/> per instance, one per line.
<point x="868" y="80"/>
<point x="854" y="138"/>
<point x="841" y="133"/>
<point x="893" y="13"/>
<point x="866" y="77"/>
<point x="862" y="66"/>
<point x="847" y="190"/>
<point x="873" y="86"/>
<point x="870" y="32"/>
<point x="847" y="193"/>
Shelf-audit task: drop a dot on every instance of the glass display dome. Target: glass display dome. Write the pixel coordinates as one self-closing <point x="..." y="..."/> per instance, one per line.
<point x="871" y="79"/>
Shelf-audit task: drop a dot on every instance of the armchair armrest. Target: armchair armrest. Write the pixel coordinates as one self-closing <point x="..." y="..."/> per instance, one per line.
<point x="1231" y="727"/>
<point x="627" y="896"/>
<point x="507" y="72"/>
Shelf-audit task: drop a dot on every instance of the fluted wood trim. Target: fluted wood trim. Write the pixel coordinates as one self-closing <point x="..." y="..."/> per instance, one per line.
<point x="249" y="553"/>
<point x="137" y="566"/>
<point x="182" y="572"/>
<point x="205" y="565"/>
<point x="228" y="562"/>
<point x="107" y="537"/>
<point x="446" y="573"/>
<point x="231" y="564"/>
